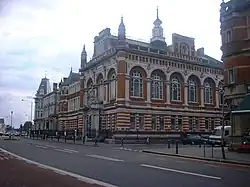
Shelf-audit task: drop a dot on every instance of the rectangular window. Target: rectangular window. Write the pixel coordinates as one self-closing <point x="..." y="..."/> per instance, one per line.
<point x="132" y="121"/>
<point x="141" y="122"/>
<point x="231" y="76"/>
<point x="153" y="125"/>
<point x="173" y="122"/>
<point x="206" y="124"/>
<point x="161" y="122"/>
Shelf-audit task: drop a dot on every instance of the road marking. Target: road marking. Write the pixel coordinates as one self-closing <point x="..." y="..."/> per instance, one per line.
<point x="105" y="158"/>
<point x="40" y="146"/>
<point x="71" y="150"/>
<point x="160" y="158"/>
<point x="79" y="177"/>
<point x="62" y="150"/>
<point x="211" y="165"/>
<point x="182" y="172"/>
<point x="179" y="161"/>
<point x="51" y="146"/>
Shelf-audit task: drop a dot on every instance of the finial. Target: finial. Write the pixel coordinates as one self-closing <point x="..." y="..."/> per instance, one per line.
<point x="121" y="18"/>
<point x="45" y="74"/>
<point x="157" y="12"/>
<point x="71" y="69"/>
<point x="84" y="47"/>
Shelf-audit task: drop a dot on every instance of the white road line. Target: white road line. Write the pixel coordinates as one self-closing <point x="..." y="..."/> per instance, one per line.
<point x="105" y="158"/>
<point x="179" y="161"/>
<point x="71" y="150"/>
<point x="51" y="146"/>
<point x="62" y="150"/>
<point x="214" y="166"/>
<point x="40" y="146"/>
<point x="79" y="177"/>
<point x="182" y="172"/>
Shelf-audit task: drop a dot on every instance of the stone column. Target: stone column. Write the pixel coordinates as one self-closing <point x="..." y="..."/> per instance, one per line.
<point x="148" y="90"/>
<point x="202" y="96"/>
<point x="186" y="94"/>
<point x="217" y="94"/>
<point x="127" y="89"/>
<point x="168" y="92"/>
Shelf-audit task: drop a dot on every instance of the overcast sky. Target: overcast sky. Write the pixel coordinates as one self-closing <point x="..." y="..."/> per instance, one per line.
<point x="47" y="35"/>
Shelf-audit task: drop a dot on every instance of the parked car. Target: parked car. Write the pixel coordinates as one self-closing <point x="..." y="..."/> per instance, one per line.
<point x="192" y="139"/>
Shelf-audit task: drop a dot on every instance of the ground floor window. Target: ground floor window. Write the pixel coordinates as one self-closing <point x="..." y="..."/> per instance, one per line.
<point x="161" y="121"/>
<point x="132" y="121"/>
<point x="193" y="124"/>
<point x="141" y="122"/>
<point x="153" y="125"/>
<point x="176" y="122"/>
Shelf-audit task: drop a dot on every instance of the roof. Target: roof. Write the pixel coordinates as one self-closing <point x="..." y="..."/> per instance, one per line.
<point x="45" y="86"/>
<point x="72" y="78"/>
<point x="244" y="106"/>
<point x="212" y="62"/>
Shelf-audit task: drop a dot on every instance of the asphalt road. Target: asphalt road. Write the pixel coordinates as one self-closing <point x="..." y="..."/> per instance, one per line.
<point x="128" y="168"/>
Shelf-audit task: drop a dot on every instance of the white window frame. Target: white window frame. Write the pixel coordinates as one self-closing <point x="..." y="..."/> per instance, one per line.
<point x="175" y="89"/>
<point x="231" y="76"/>
<point x="208" y="90"/>
<point x="136" y="80"/>
<point x="156" y="87"/>
<point x="192" y="91"/>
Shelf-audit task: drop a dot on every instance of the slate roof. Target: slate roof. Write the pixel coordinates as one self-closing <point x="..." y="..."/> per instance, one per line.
<point x="72" y="78"/>
<point x="45" y="85"/>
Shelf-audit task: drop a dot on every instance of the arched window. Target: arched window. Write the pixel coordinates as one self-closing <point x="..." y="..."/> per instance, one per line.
<point x="192" y="91"/>
<point x="112" y="87"/>
<point x="100" y="90"/>
<point x="175" y="89"/>
<point x="208" y="94"/>
<point x="136" y="84"/>
<point x="157" y="87"/>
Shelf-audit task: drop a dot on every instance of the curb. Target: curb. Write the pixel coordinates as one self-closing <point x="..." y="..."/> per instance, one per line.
<point x="199" y="158"/>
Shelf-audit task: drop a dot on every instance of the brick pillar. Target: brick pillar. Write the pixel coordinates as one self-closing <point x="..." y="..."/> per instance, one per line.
<point x="167" y="123"/>
<point x="147" y="121"/>
<point x="121" y="75"/>
<point x="123" y="120"/>
<point x="185" y="124"/>
<point x="202" y="123"/>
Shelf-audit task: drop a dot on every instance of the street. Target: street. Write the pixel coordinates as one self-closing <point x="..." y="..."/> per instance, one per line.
<point x="127" y="168"/>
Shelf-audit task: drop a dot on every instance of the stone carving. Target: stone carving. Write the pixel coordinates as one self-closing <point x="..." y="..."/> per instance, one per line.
<point x="148" y="66"/>
<point x="168" y="70"/>
<point x="185" y="72"/>
<point x="202" y="75"/>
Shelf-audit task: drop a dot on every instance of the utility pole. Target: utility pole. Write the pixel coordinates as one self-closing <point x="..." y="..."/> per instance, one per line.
<point x="11" y="125"/>
<point x="223" y="126"/>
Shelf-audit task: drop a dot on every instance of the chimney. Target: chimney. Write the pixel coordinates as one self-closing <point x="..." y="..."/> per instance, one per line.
<point x="200" y="51"/>
<point x="54" y="87"/>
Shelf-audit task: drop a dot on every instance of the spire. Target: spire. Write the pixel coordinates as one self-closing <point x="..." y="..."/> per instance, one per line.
<point x="157" y="13"/>
<point x="157" y="31"/>
<point x="83" y="57"/>
<point x="122" y="31"/>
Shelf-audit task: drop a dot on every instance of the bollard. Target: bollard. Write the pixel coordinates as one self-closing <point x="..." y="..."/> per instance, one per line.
<point x="74" y="139"/>
<point x="122" y="142"/>
<point x="168" y="144"/>
<point x="176" y="148"/>
<point x="204" y="147"/>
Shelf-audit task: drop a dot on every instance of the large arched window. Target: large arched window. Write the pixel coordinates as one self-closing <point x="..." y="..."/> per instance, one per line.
<point x="192" y="91"/>
<point x="136" y="84"/>
<point x="156" y="87"/>
<point x="175" y="89"/>
<point x="112" y="87"/>
<point x="208" y="93"/>
<point x="100" y="88"/>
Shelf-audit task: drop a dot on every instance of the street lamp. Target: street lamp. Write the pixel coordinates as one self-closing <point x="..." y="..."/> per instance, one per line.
<point x="223" y="124"/>
<point x="31" y="108"/>
<point x="11" y="127"/>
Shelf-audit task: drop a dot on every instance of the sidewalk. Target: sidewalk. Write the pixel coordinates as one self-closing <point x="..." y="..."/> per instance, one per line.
<point x="204" y="153"/>
<point x="17" y="173"/>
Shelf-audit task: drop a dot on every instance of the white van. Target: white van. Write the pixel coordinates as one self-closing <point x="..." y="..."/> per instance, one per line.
<point x="215" y="138"/>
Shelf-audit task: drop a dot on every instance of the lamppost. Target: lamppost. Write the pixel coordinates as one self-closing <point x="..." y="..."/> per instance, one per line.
<point x="31" y="108"/>
<point x="221" y="91"/>
<point x="11" y="125"/>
